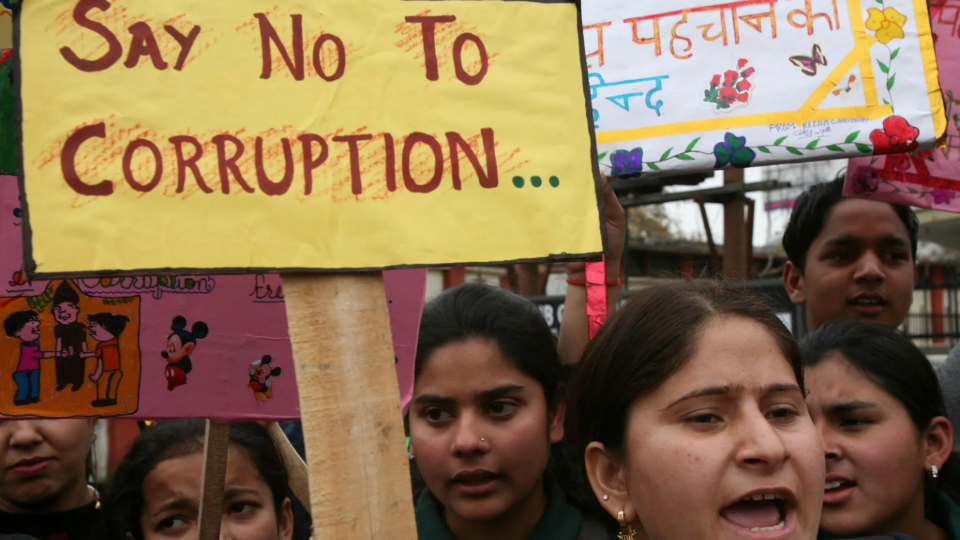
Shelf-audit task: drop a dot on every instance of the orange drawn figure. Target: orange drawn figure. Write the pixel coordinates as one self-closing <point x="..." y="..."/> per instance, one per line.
<point x="106" y="329"/>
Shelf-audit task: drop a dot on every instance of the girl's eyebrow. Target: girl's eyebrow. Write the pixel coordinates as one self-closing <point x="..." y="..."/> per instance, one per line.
<point x="848" y="407"/>
<point x="433" y="399"/>
<point x="500" y="391"/>
<point x="734" y="389"/>
<point x="176" y="504"/>
<point x="232" y="493"/>
<point x="486" y="395"/>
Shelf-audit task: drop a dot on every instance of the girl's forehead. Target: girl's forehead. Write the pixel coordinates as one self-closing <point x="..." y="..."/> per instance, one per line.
<point x="468" y="368"/>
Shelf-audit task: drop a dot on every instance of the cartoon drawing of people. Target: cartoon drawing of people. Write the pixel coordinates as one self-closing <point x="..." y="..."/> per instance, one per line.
<point x="180" y="345"/>
<point x="25" y="326"/>
<point x="106" y="329"/>
<point x="260" y="374"/>
<point x="71" y="338"/>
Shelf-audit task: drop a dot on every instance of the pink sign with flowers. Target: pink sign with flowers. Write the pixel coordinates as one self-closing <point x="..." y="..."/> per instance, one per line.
<point x="695" y="85"/>
<point x="908" y="175"/>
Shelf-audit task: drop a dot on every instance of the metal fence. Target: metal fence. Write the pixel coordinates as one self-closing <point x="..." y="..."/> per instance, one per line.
<point x="933" y="322"/>
<point x="934" y="318"/>
<point x="772" y="289"/>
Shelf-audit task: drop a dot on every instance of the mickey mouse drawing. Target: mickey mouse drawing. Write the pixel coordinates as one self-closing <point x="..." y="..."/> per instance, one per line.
<point x="260" y="373"/>
<point x="180" y="345"/>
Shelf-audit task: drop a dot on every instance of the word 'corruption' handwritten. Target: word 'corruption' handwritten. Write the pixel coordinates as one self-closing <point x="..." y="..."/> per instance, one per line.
<point x="314" y="149"/>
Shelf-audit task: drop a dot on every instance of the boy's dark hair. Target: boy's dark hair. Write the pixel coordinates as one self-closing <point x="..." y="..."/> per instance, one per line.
<point x="810" y="211"/>
<point x="112" y="323"/>
<point x="65" y="293"/>
<point x="178" y="438"/>
<point x="16" y="321"/>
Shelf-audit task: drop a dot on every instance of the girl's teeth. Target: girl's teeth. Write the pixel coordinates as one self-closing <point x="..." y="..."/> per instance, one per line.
<point x="832" y="485"/>
<point x="763" y="497"/>
<point x="776" y="527"/>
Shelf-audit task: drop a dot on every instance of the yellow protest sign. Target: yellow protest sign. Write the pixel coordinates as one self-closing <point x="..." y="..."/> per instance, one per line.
<point x="6" y="25"/>
<point x="321" y="134"/>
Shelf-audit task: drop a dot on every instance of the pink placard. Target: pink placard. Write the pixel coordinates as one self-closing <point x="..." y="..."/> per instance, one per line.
<point x="406" y="290"/>
<point x="924" y="179"/>
<point x="231" y="329"/>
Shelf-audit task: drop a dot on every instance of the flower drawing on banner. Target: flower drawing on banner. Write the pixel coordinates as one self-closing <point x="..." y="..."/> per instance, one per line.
<point x="5" y="54"/>
<point x="731" y="88"/>
<point x="625" y="162"/>
<point x="866" y="181"/>
<point x="901" y="162"/>
<point x="896" y="136"/>
<point x="733" y="151"/>
<point x="943" y="196"/>
<point x="888" y="24"/>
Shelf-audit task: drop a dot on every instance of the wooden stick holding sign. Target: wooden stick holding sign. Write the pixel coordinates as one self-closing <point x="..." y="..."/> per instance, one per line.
<point x="297" y="474"/>
<point x="216" y="442"/>
<point x="350" y="407"/>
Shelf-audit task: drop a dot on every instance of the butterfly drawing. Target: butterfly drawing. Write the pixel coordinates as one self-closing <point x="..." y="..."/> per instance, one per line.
<point x="843" y="92"/>
<point x="808" y="64"/>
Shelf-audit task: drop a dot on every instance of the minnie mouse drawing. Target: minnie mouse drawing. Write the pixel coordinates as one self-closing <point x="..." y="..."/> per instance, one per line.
<point x="260" y="374"/>
<point x="180" y="345"/>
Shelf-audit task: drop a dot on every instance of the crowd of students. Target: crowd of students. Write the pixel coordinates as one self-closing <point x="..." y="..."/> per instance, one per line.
<point x="693" y="414"/>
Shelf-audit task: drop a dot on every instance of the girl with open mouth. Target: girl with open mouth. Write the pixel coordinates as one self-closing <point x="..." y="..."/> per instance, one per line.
<point x="877" y="402"/>
<point x="487" y="411"/>
<point x="689" y="411"/>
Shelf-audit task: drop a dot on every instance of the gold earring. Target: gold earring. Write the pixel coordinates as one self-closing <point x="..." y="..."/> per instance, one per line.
<point x="626" y="529"/>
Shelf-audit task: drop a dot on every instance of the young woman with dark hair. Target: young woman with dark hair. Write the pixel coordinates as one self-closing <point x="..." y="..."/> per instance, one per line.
<point x="44" y="475"/>
<point x="876" y="400"/>
<point x="689" y="411"/>
<point x="487" y="413"/>
<point x="155" y="491"/>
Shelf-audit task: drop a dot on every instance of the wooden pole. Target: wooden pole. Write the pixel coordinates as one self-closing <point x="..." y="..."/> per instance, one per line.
<point x="714" y="256"/>
<point x="350" y="407"/>
<point x="528" y="279"/>
<point x="216" y="441"/>
<point x="751" y="207"/>
<point x="734" y="230"/>
<point x="298" y="476"/>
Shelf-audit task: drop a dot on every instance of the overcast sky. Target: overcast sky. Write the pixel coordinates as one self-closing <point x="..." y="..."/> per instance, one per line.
<point x="686" y="215"/>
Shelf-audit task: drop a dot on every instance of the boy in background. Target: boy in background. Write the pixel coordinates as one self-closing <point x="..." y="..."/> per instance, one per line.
<point x="850" y="258"/>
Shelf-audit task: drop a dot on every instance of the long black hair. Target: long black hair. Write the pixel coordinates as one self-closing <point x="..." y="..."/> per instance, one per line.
<point x="890" y="360"/>
<point x="168" y="440"/>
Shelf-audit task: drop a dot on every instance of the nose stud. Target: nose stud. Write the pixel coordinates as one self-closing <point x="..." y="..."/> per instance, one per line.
<point x="483" y="440"/>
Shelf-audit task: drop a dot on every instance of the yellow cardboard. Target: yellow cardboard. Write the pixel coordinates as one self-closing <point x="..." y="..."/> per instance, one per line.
<point x="99" y="112"/>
